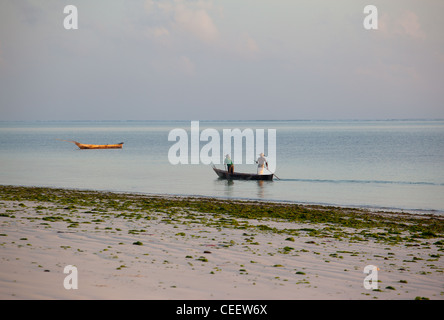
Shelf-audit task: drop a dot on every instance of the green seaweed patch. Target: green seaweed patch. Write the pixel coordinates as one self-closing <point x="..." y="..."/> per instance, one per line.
<point x="300" y="272"/>
<point x="393" y="227"/>
<point x="286" y="250"/>
<point x="202" y="258"/>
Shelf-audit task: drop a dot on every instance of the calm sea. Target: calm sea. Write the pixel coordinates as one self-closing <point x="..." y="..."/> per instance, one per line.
<point x="375" y="164"/>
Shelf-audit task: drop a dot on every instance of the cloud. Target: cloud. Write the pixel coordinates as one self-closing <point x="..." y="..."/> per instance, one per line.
<point x="196" y="22"/>
<point x="186" y="65"/>
<point x="179" y="17"/>
<point x="405" y="25"/>
<point x="157" y="32"/>
<point x="184" y="25"/>
<point x="409" y="25"/>
<point x="249" y="44"/>
<point x="242" y="45"/>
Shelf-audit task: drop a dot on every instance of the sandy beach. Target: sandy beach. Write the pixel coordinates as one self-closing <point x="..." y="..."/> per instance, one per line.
<point x="144" y="247"/>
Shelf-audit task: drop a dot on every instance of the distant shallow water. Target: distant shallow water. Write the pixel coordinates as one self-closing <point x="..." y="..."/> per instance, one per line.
<point x="373" y="164"/>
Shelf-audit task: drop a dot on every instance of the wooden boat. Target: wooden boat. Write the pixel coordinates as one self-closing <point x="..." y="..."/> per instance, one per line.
<point x="96" y="146"/>
<point x="99" y="146"/>
<point x="224" y="174"/>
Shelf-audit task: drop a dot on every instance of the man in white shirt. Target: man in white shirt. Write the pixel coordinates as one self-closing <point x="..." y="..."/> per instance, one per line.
<point x="261" y="162"/>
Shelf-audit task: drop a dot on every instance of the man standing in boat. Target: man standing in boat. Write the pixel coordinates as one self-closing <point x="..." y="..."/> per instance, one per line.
<point x="261" y="162"/>
<point x="229" y="163"/>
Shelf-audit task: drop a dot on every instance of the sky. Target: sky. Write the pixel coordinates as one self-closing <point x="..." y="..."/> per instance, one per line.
<point x="221" y="60"/>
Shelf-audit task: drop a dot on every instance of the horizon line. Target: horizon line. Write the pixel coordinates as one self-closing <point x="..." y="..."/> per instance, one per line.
<point x="223" y="120"/>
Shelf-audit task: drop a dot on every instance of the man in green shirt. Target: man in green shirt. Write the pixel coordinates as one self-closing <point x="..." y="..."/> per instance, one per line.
<point x="229" y="163"/>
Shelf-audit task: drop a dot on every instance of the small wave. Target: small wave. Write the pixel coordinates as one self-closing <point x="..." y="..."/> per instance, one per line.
<point x="366" y="181"/>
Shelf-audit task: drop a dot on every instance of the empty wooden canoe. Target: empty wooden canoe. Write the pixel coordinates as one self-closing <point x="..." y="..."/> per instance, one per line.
<point x="99" y="146"/>
<point x="96" y="146"/>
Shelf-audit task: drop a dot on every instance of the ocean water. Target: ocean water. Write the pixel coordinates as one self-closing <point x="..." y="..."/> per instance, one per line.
<point x="387" y="165"/>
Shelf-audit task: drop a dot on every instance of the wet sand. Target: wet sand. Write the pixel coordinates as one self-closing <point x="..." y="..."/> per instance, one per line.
<point x="140" y="247"/>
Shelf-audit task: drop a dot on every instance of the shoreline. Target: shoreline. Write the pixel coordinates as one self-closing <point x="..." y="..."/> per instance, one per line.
<point x="369" y="208"/>
<point x="133" y="246"/>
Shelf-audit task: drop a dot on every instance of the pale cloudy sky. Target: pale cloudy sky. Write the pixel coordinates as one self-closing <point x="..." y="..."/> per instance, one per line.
<point x="226" y="59"/>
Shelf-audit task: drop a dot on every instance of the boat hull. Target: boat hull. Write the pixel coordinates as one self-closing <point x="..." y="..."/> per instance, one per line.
<point x="223" y="174"/>
<point x="99" y="146"/>
<point x="95" y="146"/>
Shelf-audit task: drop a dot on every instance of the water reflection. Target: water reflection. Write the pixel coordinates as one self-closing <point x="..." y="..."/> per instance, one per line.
<point x="260" y="190"/>
<point x="226" y="187"/>
<point x="264" y="190"/>
<point x="257" y="189"/>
